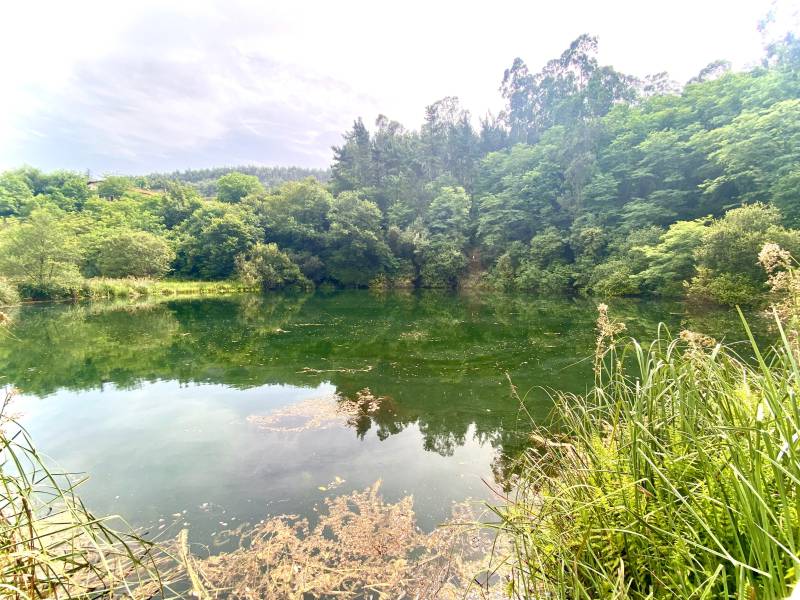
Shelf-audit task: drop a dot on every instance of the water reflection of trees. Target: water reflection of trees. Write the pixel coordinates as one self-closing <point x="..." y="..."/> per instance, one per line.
<point x="441" y="359"/>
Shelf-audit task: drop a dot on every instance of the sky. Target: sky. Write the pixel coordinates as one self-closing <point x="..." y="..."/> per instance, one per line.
<point x="157" y="85"/>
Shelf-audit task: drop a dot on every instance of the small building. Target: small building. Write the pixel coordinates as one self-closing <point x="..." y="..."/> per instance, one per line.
<point x="93" y="182"/>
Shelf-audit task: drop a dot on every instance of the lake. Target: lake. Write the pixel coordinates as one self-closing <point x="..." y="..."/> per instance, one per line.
<point x="215" y="412"/>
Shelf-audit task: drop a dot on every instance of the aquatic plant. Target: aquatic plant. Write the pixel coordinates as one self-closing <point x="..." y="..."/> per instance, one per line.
<point x="360" y="547"/>
<point x="51" y="545"/>
<point x="319" y="413"/>
<point x="676" y="476"/>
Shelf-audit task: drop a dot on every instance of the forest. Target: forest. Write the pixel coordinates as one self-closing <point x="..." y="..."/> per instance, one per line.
<point x="590" y="181"/>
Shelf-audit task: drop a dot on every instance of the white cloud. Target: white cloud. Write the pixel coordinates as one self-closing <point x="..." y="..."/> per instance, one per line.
<point x="137" y="86"/>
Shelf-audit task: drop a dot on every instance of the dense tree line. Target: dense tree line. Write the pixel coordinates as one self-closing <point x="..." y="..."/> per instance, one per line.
<point x="589" y="181"/>
<point x="205" y="180"/>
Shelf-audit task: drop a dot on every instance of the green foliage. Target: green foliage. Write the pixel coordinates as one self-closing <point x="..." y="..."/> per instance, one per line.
<point x="14" y="193"/>
<point x="503" y="276"/>
<point x="134" y="254"/>
<point x="41" y="254"/>
<point x="444" y="265"/>
<point x="220" y="241"/>
<point x="269" y="268"/>
<point x="296" y="215"/>
<point x="448" y="214"/>
<point x="548" y="248"/>
<point x="113" y="187"/>
<point x="211" y="238"/>
<point x="8" y="293"/>
<point x="573" y="87"/>
<point x="731" y="289"/>
<point x="355" y="249"/>
<point x="204" y="181"/>
<point x="588" y="181"/>
<point x="551" y="281"/>
<point x="675" y="477"/>
<point x="177" y="204"/>
<point x="613" y="277"/>
<point x="727" y="259"/>
<point x="671" y="262"/>
<point x="755" y="150"/>
<point x="234" y="187"/>
<point x="786" y="197"/>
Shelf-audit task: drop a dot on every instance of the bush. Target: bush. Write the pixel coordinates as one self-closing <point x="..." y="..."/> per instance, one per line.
<point x="134" y="254"/>
<point x="553" y="281"/>
<point x="444" y="265"/>
<point x="68" y="283"/>
<point x="728" y="252"/>
<point x="266" y="266"/>
<point x="42" y="254"/>
<point x="728" y="289"/>
<point x="502" y="275"/>
<point x="613" y="278"/>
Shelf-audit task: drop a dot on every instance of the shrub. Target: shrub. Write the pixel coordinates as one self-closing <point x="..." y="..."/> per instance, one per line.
<point x="613" y="278"/>
<point x="134" y="254"/>
<point x="41" y="254"/>
<point x="67" y="283"/>
<point x="502" y="276"/>
<point x="265" y="265"/>
<point x="552" y="281"/>
<point x="729" y="289"/>
<point x="444" y="265"/>
<point x="731" y="244"/>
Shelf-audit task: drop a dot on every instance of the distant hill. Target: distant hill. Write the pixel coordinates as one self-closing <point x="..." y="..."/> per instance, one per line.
<point x="205" y="180"/>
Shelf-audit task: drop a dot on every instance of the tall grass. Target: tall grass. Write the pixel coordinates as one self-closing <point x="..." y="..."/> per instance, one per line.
<point x="105" y="288"/>
<point x="51" y="545"/>
<point x="8" y="293"/>
<point x="677" y="476"/>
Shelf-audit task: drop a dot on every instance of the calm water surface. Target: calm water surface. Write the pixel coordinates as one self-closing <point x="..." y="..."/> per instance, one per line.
<point x="152" y="400"/>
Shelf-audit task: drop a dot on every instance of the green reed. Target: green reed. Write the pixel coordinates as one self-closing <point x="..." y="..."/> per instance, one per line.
<point x="51" y="545"/>
<point x="677" y="476"/>
<point x="106" y="288"/>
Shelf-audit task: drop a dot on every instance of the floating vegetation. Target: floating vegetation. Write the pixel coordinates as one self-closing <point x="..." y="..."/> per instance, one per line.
<point x="310" y="371"/>
<point x="323" y="412"/>
<point x="361" y="547"/>
<point x="414" y="336"/>
<point x="337" y="482"/>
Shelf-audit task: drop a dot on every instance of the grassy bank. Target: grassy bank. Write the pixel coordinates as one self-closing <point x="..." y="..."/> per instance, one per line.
<point x="677" y="476"/>
<point x="101" y="288"/>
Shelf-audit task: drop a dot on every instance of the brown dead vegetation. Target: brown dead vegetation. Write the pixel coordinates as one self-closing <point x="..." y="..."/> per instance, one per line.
<point x="361" y="547"/>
